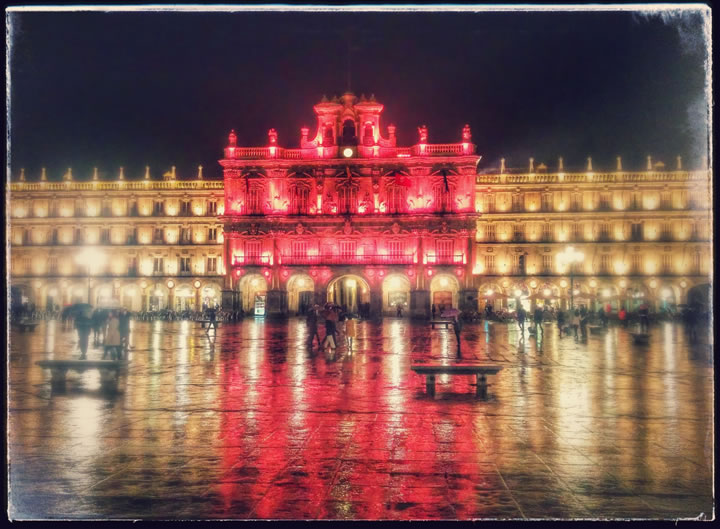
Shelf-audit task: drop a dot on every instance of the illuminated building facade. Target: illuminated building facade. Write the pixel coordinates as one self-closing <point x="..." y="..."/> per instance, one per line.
<point x="350" y="217"/>
<point x="143" y="243"/>
<point x="638" y="236"/>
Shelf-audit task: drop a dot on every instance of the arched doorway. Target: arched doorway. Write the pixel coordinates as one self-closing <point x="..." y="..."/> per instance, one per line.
<point x="491" y="297"/>
<point x="636" y="295"/>
<point x="253" y="289"/>
<point x="184" y="298"/>
<point x="668" y="298"/>
<point x="158" y="297"/>
<point x="301" y="293"/>
<point x="350" y="292"/>
<point x="349" y="137"/>
<point x="519" y="294"/>
<point x="608" y="295"/>
<point x="210" y="296"/>
<point x="396" y="291"/>
<point x="444" y="290"/>
<point x="130" y="297"/>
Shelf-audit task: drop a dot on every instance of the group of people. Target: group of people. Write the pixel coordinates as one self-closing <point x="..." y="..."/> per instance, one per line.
<point x="338" y="322"/>
<point x="114" y="327"/>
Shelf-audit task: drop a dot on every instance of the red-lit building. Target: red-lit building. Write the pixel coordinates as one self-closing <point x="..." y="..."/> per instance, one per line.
<point x="350" y="217"/>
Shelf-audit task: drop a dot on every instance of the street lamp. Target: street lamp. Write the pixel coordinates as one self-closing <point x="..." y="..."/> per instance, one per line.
<point x="92" y="259"/>
<point x="571" y="256"/>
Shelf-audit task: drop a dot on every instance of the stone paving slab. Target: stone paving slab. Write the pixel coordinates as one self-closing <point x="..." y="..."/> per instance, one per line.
<point x="249" y="425"/>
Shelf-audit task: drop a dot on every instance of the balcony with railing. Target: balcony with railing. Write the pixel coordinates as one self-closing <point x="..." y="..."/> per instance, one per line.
<point x="364" y="259"/>
<point x="363" y="151"/>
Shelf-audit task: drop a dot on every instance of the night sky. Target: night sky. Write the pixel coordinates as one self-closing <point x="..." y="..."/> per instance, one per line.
<point x="162" y="89"/>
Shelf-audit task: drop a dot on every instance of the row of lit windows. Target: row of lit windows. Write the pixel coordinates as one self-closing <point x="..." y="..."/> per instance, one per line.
<point x="75" y="236"/>
<point x="117" y="208"/>
<point x="559" y="201"/>
<point x="681" y="230"/>
<point x="117" y="266"/>
<point x="603" y="264"/>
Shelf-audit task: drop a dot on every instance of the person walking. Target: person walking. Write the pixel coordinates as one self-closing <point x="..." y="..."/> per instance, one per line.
<point x="83" y="324"/>
<point x="433" y="310"/>
<point x="312" y="328"/>
<point x="457" y="327"/>
<point x="560" y="321"/>
<point x="575" y="322"/>
<point x="350" y="332"/>
<point x="521" y="321"/>
<point x="330" y="328"/>
<point x="399" y="310"/>
<point x="583" y="325"/>
<point x="622" y="316"/>
<point x="112" y="337"/>
<point x="99" y="317"/>
<point x="124" y="328"/>
<point x="537" y="320"/>
<point x="644" y="318"/>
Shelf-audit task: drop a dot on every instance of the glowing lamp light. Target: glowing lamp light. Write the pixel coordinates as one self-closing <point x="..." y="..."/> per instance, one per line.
<point x="266" y="273"/>
<point x="301" y="282"/>
<point x="170" y="283"/>
<point x="683" y="284"/>
<point x="489" y="292"/>
<point x="623" y="283"/>
<point x="533" y="283"/>
<point x="429" y="272"/>
<point x="347" y="152"/>
<point x="143" y="284"/>
<point x="351" y="283"/>
<point x="593" y="283"/>
<point x="518" y="292"/>
<point x="606" y="293"/>
<point x="196" y="284"/>
<point x="546" y="292"/>
<point x="443" y="282"/>
<point x="395" y="282"/>
<point x="653" y="283"/>
<point x="666" y="293"/>
<point x="576" y="292"/>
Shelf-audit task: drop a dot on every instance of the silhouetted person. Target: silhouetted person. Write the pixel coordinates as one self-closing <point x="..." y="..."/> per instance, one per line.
<point x="521" y="321"/>
<point x="560" y="321"/>
<point x="312" y="325"/>
<point x="83" y="324"/>
<point x="457" y="327"/>
<point x="538" y="319"/>
<point x="124" y="327"/>
<point x="433" y="310"/>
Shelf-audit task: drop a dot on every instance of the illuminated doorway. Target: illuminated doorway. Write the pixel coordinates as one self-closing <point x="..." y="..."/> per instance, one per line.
<point x="444" y="292"/>
<point x="301" y="293"/>
<point x="350" y="292"/>
<point x="251" y="286"/>
<point x="184" y="298"/>
<point x="396" y="291"/>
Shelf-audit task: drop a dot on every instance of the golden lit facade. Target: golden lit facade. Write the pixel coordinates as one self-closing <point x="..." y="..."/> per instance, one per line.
<point x="639" y="236"/>
<point x="142" y="243"/>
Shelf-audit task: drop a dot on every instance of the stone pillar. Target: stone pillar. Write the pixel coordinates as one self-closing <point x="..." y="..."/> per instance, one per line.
<point x="420" y="304"/>
<point x="468" y="300"/>
<point x="376" y="303"/>
<point x="171" y="298"/>
<point x="227" y="299"/>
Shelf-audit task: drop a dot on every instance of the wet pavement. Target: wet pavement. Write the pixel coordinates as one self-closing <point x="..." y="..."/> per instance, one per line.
<point x="248" y="425"/>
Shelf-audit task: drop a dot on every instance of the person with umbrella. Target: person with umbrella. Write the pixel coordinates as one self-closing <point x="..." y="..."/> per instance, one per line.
<point x="457" y="327"/>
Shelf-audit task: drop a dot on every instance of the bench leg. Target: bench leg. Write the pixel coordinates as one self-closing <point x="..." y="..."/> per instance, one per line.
<point x="109" y="380"/>
<point x="57" y="380"/>
<point x="430" y="385"/>
<point x="481" y="387"/>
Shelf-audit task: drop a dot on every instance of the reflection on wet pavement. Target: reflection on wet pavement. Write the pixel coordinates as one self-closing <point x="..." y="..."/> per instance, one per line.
<point x="247" y="424"/>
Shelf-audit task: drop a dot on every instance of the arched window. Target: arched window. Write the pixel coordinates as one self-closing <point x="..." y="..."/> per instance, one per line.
<point x="254" y="201"/>
<point x="396" y="199"/>
<point x="349" y="136"/>
<point x="368" y="138"/>
<point x="327" y="139"/>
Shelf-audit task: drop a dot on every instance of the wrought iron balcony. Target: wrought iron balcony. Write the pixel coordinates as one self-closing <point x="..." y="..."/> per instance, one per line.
<point x="365" y="259"/>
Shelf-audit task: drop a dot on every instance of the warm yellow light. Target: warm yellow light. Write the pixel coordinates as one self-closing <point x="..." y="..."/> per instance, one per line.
<point x="196" y="284"/>
<point x="666" y="293"/>
<point x="170" y="283"/>
<point x="443" y="282"/>
<point x="683" y="284"/>
<point x="593" y="283"/>
<point x="546" y="292"/>
<point x="563" y="283"/>
<point x="347" y="152"/>
<point x="350" y="283"/>
<point x="518" y="292"/>
<point x="533" y="283"/>
<point x="489" y="292"/>
<point x="606" y="293"/>
<point x="395" y="282"/>
<point x="653" y="283"/>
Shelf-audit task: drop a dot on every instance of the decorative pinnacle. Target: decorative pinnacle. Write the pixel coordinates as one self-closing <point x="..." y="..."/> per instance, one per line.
<point x="95" y="173"/>
<point x="147" y="172"/>
<point x="619" y="163"/>
<point x="560" y="164"/>
<point x="532" y="165"/>
<point x="22" y="174"/>
<point x="679" y="163"/>
<point x="589" y="166"/>
<point x="199" y="172"/>
<point x="121" y="176"/>
<point x="649" y="163"/>
<point x="43" y="174"/>
<point x="502" y="165"/>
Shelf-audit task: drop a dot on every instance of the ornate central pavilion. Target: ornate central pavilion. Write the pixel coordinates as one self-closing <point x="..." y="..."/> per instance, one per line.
<point x="350" y="217"/>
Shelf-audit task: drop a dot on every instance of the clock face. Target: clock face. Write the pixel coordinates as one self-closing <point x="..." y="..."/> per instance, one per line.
<point x="347" y="152"/>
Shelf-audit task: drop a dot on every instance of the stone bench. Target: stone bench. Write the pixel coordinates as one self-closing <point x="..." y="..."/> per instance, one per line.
<point x="109" y="371"/>
<point x="446" y="323"/>
<point x="430" y="370"/>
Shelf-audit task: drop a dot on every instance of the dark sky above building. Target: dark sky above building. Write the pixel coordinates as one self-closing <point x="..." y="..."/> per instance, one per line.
<point x="162" y="89"/>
